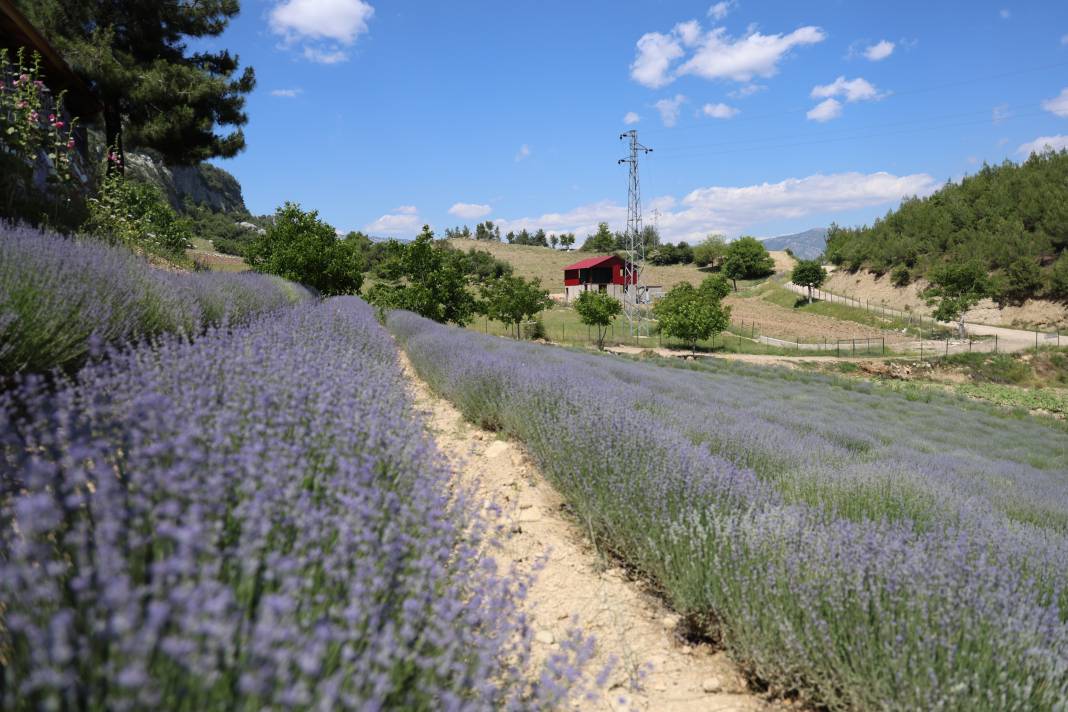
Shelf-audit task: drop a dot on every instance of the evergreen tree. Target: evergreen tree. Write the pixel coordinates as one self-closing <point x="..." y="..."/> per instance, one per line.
<point x="155" y="93"/>
<point x="602" y="241"/>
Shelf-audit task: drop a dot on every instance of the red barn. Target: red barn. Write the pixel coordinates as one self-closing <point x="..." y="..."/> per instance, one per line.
<point x="604" y="274"/>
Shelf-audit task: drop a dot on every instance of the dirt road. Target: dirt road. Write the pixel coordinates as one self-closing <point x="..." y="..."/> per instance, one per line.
<point x="1007" y="339"/>
<point x="656" y="669"/>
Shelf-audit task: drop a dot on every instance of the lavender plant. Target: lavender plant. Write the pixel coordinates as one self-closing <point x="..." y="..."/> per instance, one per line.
<point x="59" y="297"/>
<point x="252" y="519"/>
<point x="871" y="551"/>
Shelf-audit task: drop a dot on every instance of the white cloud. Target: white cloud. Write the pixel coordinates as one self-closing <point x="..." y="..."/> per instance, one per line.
<point x="720" y="9"/>
<point x="879" y="51"/>
<point x="1042" y="143"/>
<point x="402" y="222"/>
<point x="323" y="27"/>
<point x="747" y="90"/>
<point x="719" y="111"/>
<point x="287" y="93"/>
<point x="669" y="109"/>
<point x="522" y="153"/>
<point x="825" y="111"/>
<point x="470" y="211"/>
<point x="631" y="118"/>
<point x="325" y="56"/>
<point x="858" y="89"/>
<point x="1000" y="113"/>
<point x="717" y="55"/>
<point x="723" y="57"/>
<point x="656" y="52"/>
<point x="581" y="220"/>
<point x="688" y="32"/>
<point x="1058" y="105"/>
<point x="1005" y="14"/>
<point x="851" y="90"/>
<point x="734" y="210"/>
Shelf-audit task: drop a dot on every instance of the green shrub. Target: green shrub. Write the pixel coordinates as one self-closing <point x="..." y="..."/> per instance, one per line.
<point x="900" y="276"/>
<point x="136" y="215"/>
<point x="300" y="247"/>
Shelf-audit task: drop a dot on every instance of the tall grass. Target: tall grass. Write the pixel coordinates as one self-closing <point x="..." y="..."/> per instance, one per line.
<point x="871" y="551"/>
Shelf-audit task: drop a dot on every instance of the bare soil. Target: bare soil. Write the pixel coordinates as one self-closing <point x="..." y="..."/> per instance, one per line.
<point x="866" y="286"/>
<point x="793" y="325"/>
<point x="657" y="668"/>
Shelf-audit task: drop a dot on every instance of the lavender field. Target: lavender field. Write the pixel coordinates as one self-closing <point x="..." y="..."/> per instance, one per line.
<point x="865" y="549"/>
<point x="61" y="298"/>
<point x="254" y="518"/>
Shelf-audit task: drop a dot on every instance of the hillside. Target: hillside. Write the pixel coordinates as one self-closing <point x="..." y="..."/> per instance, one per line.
<point x="807" y="245"/>
<point x="548" y="264"/>
<point x="1011" y="218"/>
<point x="203" y="184"/>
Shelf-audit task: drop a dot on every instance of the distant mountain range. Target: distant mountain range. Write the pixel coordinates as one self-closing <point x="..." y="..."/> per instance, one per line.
<point x="807" y="245"/>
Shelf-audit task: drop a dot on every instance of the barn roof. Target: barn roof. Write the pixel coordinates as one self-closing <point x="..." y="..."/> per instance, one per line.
<point x="592" y="262"/>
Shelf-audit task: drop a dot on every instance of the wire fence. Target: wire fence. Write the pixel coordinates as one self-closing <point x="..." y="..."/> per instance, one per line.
<point x="745" y="336"/>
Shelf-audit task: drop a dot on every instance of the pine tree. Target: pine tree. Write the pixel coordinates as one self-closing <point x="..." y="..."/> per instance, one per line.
<point x="155" y="93"/>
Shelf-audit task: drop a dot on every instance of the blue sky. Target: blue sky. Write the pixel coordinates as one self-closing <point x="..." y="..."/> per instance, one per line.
<point x="765" y="117"/>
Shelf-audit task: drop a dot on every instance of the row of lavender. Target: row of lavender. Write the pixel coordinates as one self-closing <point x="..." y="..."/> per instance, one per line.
<point x="250" y="519"/>
<point x="872" y="551"/>
<point x="60" y="298"/>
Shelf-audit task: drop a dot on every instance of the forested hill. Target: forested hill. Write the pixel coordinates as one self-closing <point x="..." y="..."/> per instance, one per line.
<point x="1011" y="218"/>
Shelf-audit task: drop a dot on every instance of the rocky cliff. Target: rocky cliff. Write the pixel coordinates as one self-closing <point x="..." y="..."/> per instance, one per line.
<point x="202" y="184"/>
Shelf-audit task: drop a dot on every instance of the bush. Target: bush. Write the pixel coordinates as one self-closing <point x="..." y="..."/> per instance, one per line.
<point x="300" y="247"/>
<point x="252" y="520"/>
<point x="1058" y="278"/>
<point x="138" y="216"/>
<point x="37" y="149"/>
<point x="230" y="247"/>
<point x="900" y="276"/>
<point x="60" y="298"/>
<point x="1022" y="279"/>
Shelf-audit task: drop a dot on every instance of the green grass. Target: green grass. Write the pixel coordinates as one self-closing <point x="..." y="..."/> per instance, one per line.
<point x="1054" y="400"/>
<point x="563" y="326"/>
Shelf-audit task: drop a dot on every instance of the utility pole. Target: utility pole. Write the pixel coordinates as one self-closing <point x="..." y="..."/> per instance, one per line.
<point x="634" y="294"/>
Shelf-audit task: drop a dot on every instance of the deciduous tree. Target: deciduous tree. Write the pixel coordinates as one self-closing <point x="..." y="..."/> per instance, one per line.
<point x="747" y="258"/>
<point x="598" y="309"/>
<point x="513" y="300"/>
<point x="300" y="247"/>
<point x="810" y="274"/>
<point x="956" y="288"/>
<point x="426" y="279"/>
<point x="690" y="314"/>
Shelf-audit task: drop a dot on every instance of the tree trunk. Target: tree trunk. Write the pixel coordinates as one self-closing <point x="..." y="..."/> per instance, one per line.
<point x="735" y="284"/>
<point x="810" y="295"/>
<point x="960" y="326"/>
<point x="113" y="137"/>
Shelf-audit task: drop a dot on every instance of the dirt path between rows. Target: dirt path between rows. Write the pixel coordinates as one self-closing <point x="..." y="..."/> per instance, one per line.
<point x="656" y="670"/>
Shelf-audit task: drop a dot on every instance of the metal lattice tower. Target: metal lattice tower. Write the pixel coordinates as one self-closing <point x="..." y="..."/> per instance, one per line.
<point x="635" y="293"/>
